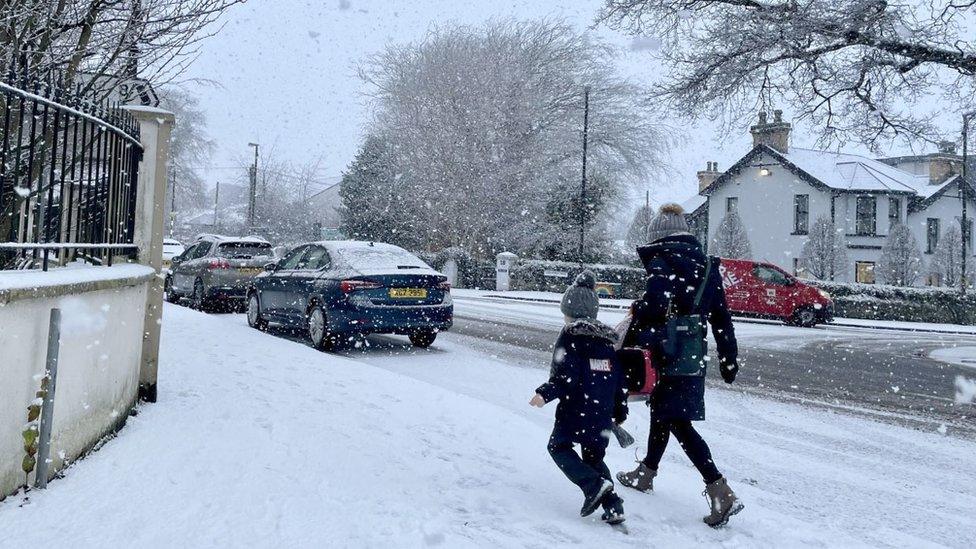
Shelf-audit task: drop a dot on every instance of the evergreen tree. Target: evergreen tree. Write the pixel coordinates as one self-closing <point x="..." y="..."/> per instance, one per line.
<point x="824" y="253"/>
<point x="901" y="258"/>
<point x="731" y="240"/>
<point x="946" y="264"/>
<point x="375" y="203"/>
<point x="637" y="233"/>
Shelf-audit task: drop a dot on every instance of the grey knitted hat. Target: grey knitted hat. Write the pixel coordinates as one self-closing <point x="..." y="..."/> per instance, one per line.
<point x="580" y="299"/>
<point x="669" y="221"/>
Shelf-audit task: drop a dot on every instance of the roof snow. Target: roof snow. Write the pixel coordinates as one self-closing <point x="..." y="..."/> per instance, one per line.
<point x="692" y="204"/>
<point x="852" y="172"/>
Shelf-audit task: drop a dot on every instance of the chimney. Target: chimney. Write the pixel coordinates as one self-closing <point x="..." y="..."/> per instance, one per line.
<point x="708" y="176"/>
<point x="775" y="134"/>
<point x="947" y="147"/>
<point x="944" y="164"/>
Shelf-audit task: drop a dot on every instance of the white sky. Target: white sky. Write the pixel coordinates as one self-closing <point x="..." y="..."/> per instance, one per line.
<point x="286" y="71"/>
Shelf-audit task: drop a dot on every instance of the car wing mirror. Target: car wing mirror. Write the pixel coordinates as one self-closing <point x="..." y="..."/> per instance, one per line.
<point x="271" y="267"/>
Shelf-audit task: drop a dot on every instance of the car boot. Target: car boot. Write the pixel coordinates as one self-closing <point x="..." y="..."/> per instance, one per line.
<point x="594" y="495"/>
<point x="613" y="509"/>
<point x="641" y="479"/>
<point x="723" y="503"/>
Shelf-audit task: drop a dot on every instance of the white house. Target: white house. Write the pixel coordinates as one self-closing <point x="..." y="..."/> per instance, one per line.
<point x="779" y="190"/>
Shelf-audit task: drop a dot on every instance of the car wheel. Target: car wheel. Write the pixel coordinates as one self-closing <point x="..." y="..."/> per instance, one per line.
<point x="318" y="330"/>
<point x="423" y="338"/>
<point x="168" y="293"/>
<point x="254" y="318"/>
<point x="804" y="317"/>
<point x="200" y="301"/>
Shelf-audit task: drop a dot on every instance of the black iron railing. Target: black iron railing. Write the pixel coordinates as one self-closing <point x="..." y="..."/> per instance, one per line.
<point x="68" y="170"/>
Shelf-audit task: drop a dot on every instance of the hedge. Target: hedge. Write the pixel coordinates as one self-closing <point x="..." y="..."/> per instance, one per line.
<point x="881" y="302"/>
<point x="530" y="274"/>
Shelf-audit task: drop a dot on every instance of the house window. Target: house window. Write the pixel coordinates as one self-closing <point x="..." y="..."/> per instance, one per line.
<point x="867" y="209"/>
<point x="864" y="272"/>
<point x="894" y="212"/>
<point x="801" y="213"/>
<point x="799" y="270"/>
<point x="931" y="235"/>
<point x="731" y="204"/>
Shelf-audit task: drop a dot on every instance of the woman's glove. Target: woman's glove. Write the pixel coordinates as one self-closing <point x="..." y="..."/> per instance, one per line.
<point x="729" y="371"/>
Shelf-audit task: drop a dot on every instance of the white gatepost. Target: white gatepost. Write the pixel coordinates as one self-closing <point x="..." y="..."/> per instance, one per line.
<point x="155" y="126"/>
<point x="503" y="270"/>
<point x="451" y="271"/>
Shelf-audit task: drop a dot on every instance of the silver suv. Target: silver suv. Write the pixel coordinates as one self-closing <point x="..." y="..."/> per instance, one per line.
<point x="217" y="269"/>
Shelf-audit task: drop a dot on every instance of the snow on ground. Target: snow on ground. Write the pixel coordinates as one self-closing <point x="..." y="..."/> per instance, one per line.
<point x="261" y="441"/>
<point x="529" y="296"/>
<point x="963" y="356"/>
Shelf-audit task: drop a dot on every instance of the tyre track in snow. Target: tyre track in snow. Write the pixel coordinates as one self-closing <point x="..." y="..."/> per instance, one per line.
<point x="876" y="373"/>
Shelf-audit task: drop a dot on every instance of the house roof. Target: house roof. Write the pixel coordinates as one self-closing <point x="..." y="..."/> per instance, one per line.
<point x="841" y="172"/>
<point x="692" y="205"/>
<point x="852" y="172"/>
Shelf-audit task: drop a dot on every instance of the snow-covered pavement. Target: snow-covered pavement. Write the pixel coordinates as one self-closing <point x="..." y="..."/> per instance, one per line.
<point x="260" y="441"/>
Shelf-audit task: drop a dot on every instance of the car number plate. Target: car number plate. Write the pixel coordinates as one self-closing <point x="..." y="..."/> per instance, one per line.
<point x="409" y="293"/>
<point x="249" y="270"/>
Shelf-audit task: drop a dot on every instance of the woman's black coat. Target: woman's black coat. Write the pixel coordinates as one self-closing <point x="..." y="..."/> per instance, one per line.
<point x="675" y="268"/>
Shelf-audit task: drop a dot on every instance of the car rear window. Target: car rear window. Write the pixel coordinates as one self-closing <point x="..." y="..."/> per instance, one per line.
<point x="244" y="250"/>
<point x="376" y="259"/>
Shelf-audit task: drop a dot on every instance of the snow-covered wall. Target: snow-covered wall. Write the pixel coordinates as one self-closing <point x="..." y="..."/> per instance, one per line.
<point x="102" y="312"/>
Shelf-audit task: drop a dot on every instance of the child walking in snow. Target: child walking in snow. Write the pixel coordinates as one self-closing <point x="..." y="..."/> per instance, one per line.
<point x="589" y="383"/>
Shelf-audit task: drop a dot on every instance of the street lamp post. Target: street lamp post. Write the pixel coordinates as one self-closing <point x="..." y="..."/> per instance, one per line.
<point x="963" y="194"/>
<point x="582" y="213"/>
<point x="253" y="186"/>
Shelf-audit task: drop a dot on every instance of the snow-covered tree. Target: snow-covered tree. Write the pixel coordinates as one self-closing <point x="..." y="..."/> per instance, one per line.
<point x="637" y="233"/>
<point x="101" y="44"/>
<point x="857" y="69"/>
<point x="376" y="205"/>
<point x="824" y="253"/>
<point x="731" y="239"/>
<point x="946" y="262"/>
<point x="901" y="258"/>
<point x="190" y="148"/>
<point x="485" y="126"/>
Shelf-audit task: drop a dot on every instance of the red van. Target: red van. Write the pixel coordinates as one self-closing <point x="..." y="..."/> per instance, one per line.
<point x="754" y="288"/>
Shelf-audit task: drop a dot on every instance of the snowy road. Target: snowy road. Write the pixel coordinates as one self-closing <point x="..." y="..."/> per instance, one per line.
<point x="260" y="441"/>
<point x="881" y="373"/>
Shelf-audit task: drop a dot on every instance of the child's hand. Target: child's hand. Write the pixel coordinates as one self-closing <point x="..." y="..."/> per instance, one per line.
<point x="537" y="401"/>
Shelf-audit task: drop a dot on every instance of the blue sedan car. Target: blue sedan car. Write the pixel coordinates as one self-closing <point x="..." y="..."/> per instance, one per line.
<point x="337" y="289"/>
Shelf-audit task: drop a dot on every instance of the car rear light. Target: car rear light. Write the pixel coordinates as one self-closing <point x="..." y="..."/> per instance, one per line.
<point x="218" y="263"/>
<point x="349" y="286"/>
<point x="446" y="286"/>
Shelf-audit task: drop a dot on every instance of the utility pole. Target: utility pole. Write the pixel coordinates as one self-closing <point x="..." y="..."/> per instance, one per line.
<point x="964" y="194"/>
<point x="172" y="203"/>
<point x="216" y="202"/>
<point x="251" y="201"/>
<point x="582" y="212"/>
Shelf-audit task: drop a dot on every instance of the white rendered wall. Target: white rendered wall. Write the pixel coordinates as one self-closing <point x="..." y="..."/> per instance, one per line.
<point x="98" y="370"/>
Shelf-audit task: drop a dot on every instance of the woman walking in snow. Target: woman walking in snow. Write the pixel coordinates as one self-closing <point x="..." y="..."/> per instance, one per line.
<point x="679" y="274"/>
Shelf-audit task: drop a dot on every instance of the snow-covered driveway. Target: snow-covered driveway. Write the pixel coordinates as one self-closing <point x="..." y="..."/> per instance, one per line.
<point x="260" y="441"/>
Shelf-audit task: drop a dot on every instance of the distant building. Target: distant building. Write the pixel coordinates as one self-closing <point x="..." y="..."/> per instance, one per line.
<point x="779" y="191"/>
<point x="324" y="209"/>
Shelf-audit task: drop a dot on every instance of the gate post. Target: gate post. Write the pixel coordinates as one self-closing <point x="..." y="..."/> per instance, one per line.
<point x="503" y="268"/>
<point x="155" y="126"/>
